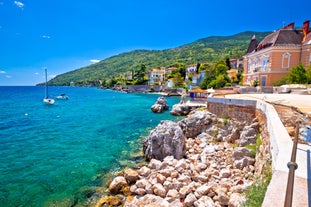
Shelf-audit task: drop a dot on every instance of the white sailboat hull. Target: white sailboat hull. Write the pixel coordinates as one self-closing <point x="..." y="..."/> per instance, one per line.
<point x="48" y="100"/>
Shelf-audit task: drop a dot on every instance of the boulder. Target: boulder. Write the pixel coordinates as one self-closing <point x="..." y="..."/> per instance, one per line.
<point x="160" y="105"/>
<point x="130" y="175"/>
<point x="246" y="161"/>
<point x="242" y="157"/>
<point x="180" y="110"/>
<point x="248" y="135"/>
<point x="240" y="152"/>
<point x="144" y="171"/>
<point x="159" y="190"/>
<point x="196" y="123"/>
<point x="167" y="139"/>
<point x="117" y="184"/>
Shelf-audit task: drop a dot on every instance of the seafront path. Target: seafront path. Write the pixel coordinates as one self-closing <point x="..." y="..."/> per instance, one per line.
<point x="282" y="149"/>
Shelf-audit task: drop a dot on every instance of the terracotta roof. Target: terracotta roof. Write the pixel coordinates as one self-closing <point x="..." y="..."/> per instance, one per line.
<point x="197" y="90"/>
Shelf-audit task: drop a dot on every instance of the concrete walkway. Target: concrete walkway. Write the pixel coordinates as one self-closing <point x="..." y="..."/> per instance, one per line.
<point x="302" y="102"/>
<point x="281" y="148"/>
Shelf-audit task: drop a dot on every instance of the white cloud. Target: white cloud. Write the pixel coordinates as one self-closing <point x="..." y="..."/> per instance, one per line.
<point x="36" y="73"/>
<point x="94" y="61"/>
<point x="2" y="72"/>
<point x="8" y="76"/>
<point x="46" y="36"/>
<point x="19" y="4"/>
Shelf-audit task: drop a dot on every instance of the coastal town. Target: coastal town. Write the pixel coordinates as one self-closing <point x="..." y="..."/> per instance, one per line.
<point x="265" y="64"/>
<point x="235" y="142"/>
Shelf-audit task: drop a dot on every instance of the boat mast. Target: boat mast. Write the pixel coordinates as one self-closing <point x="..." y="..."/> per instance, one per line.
<point x="46" y="84"/>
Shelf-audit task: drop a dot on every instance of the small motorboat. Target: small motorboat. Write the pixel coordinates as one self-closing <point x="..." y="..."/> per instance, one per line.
<point x="62" y="97"/>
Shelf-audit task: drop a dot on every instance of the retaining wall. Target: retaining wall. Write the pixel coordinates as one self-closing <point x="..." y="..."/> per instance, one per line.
<point x="244" y="110"/>
<point x="280" y="145"/>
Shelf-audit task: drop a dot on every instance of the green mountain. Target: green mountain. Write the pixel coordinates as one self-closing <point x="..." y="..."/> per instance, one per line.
<point x="208" y="49"/>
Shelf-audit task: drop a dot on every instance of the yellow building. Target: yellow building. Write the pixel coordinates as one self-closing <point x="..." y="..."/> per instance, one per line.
<point x="271" y="59"/>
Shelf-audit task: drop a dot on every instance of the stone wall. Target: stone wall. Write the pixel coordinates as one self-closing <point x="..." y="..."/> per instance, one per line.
<point x="244" y="110"/>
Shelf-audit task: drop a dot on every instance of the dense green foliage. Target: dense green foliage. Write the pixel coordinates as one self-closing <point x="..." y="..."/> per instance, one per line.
<point x="216" y="76"/>
<point x="296" y="75"/>
<point x="208" y="49"/>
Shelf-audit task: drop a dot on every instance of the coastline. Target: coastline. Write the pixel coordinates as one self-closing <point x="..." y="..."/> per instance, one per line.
<point x="158" y="172"/>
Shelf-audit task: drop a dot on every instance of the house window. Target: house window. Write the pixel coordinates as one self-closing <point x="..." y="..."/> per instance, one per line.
<point x="286" y="60"/>
<point x="264" y="63"/>
<point x="249" y="64"/>
<point x="310" y="59"/>
<point x="255" y="65"/>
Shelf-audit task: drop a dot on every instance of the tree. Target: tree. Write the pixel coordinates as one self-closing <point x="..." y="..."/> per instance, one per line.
<point x="140" y="74"/>
<point x="182" y="70"/>
<point x="308" y="74"/>
<point x="178" y="80"/>
<point x="298" y="75"/>
<point x="228" y="64"/>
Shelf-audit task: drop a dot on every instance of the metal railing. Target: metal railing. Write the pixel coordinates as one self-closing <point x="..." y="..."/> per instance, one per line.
<point x="292" y="165"/>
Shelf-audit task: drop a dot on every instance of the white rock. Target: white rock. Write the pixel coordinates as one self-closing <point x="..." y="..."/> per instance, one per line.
<point x="155" y="164"/>
<point x="202" y="166"/>
<point x="225" y="173"/>
<point x="144" y="171"/>
<point x="223" y="198"/>
<point x="185" y="190"/>
<point x="203" y="190"/>
<point x="142" y="183"/>
<point x="159" y="190"/>
<point x="176" y="203"/>
<point x="130" y="175"/>
<point x="117" y="184"/>
<point x="160" y="178"/>
<point x="184" y="179"/>
<point x="133" y="188"/>
<point x="140" y="191"/>
<point x="172" y="193"/>
<point x="190" y="199"/>
<point x="236" y="199"/>
<point x="204" y="201"/>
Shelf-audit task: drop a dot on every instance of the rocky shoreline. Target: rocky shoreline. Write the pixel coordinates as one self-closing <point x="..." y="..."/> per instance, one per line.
<point x="201" y="160"/>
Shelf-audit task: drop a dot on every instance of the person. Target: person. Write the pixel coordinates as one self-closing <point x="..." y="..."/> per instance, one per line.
<point x="183" y="98"/>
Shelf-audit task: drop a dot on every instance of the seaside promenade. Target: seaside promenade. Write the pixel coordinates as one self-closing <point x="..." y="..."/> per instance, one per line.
<point x="281" y="147"/>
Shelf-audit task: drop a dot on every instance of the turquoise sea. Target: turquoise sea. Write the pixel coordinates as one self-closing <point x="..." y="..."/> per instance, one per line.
<point x="50" y="153"/>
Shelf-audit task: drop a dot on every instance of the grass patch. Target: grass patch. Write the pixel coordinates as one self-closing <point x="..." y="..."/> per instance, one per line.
<point x="226" y="121"/>
<point x="253" y="148"/>
<point x="255" y="194"/>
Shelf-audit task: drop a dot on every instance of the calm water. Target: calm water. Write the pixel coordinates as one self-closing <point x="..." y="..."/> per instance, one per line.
<point x="49" y="154"/>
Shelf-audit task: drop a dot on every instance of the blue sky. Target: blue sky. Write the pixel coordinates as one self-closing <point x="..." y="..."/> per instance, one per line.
<point x="64" y="35"/>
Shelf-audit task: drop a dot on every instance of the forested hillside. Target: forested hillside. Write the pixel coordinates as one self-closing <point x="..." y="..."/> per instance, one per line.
<point x="208" y="49"/>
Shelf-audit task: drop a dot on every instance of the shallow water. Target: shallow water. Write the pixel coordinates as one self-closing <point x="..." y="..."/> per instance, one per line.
<point x="50" y="153"/>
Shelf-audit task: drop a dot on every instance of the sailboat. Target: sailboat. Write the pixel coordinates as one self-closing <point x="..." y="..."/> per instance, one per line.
<point x="46" y="98"/>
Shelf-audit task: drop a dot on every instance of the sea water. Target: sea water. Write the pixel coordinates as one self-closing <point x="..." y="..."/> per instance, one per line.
<point x="50" y="153"/>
